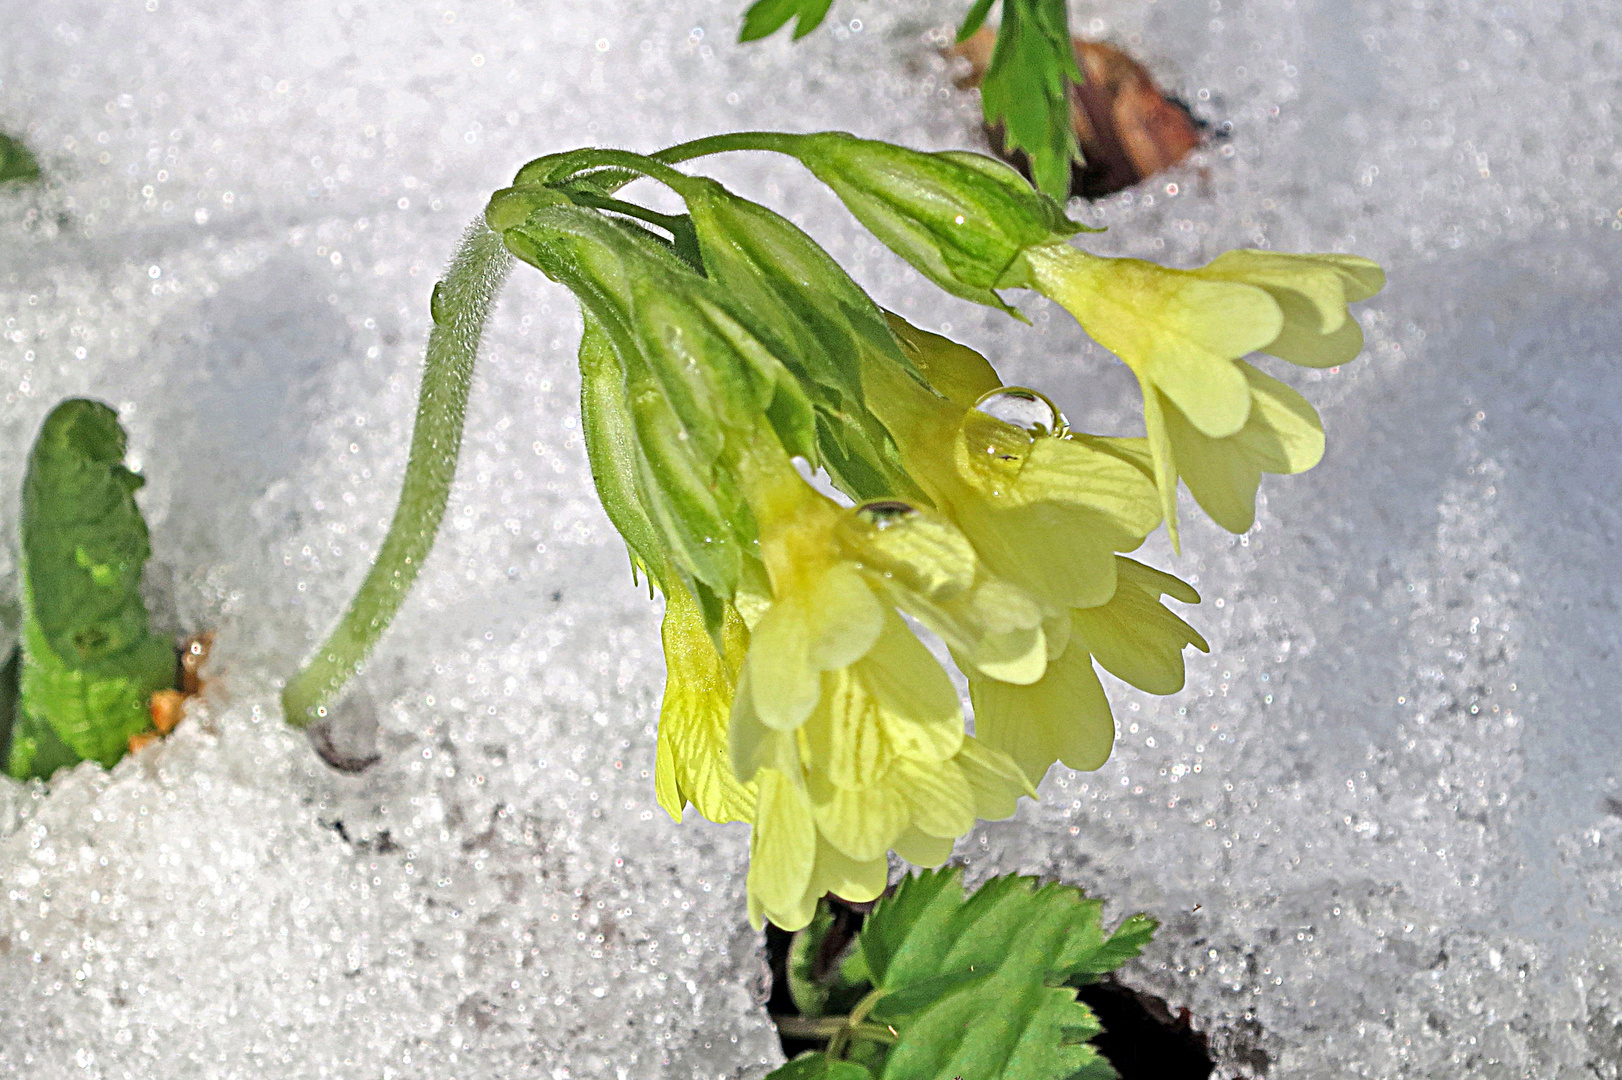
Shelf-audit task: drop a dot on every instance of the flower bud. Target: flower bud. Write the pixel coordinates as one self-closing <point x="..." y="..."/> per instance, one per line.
<point x="961" y="219"/>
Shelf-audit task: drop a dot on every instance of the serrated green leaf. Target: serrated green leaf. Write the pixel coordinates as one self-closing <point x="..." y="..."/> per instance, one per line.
<point x="1125" y="944"/>
<point x="973" y="986"/>
<point x="90" y="661"/>
<point x="1026" y="89"/>
<point x="16" y="161"/>
<point x="765" y="17"/>
<point x="915" y="997"/>
<point x="819" y="1066"/>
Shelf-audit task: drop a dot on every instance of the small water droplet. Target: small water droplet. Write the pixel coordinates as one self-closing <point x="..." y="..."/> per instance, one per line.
<point x="885" y="513"/>
<point x="1028" y="410"/>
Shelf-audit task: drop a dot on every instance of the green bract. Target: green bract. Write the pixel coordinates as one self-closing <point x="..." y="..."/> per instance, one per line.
<point x="89" y="661"/>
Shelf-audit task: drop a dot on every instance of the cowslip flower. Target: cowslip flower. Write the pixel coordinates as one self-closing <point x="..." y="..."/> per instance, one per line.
<point x="1048" y="514"/>
<point x="846" y="724"/>
<point x="1183" y="332"/>
<point x="1097" y="490"/>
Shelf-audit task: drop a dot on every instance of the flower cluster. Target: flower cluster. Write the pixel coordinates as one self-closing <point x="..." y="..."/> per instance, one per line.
<point x="727" y="362"/>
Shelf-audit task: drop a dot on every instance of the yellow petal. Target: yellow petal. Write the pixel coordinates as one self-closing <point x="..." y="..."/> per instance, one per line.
<point x="828" y="626"/>
<point x="1174" y="328"/>
<point x="996" y="779"/>
<point x="846" y="618"/>
<point x="751" y="745"/>
<point x="1313" y="292"/>
<point x="1284" y="435"/>
<point x="845" y="738"/>
<point x="1134" y="637"/>
<point x="1062" y="717"/>
<point x="783" y="846"/>
<point x="918" y="705"/>
<point x="850" y="879"/>
<point x="922" y="850"/>
<point x="956" y="371"/>
<point x="692" y="763"/>
<point x="939" y="794"/>
<point x="860" y="823"/>
<point x="1162" y="445"/>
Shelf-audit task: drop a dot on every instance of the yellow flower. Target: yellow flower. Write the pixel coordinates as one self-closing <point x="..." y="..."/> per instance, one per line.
<point x="1183" y="331"/>
<point x="1045" y="513"/>
<point x="1065" y="715"/>
<point x="692" y="763"/>
<point x="1098" y="491"/>
<point x="849" y="728"/>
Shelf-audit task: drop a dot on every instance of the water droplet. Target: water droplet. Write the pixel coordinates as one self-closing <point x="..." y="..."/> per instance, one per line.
<point x="1025" y="409"/>
<point x="439" y="304"/>
<point x="883" y="514"/>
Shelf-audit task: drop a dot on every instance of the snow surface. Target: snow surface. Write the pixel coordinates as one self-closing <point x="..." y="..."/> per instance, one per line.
<point x="1383" y="824"/>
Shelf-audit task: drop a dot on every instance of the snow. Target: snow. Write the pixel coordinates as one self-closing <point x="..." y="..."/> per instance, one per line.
<point x="1382" y="824"/>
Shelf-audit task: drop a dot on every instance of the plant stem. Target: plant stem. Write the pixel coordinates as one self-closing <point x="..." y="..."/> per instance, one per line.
<point x="826" y="1028"/>
<point x="461" y="303"/>
<point x="778" y="141"/>
<point x="854" y="1026"/>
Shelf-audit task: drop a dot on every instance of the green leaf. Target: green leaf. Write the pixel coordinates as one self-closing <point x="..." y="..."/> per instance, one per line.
<point x="1125" y="944"/>
<point x="16" y="162"/>
<point x="766" y="17"/>
<point x="819" y="1066"/>
<point x="90" y="660"/>
<point x="1026" y="89"/>
<point x="974" y="19"/>
<point x="975" y="986"/>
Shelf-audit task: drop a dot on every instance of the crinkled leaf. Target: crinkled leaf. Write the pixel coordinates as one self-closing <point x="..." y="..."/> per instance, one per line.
<point x="90" y="660"/>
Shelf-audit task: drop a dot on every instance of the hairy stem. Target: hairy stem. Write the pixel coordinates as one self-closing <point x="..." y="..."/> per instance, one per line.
<point x="461" y="303"/>
<point x="778" y="141"/>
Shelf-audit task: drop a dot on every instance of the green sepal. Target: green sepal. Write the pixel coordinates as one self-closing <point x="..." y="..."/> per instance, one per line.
<point x="766" y="17"/>
<point x="697" y="376"/>
<point x="961" y="219"/>
<point x="815" y="1065"/>
<point x="90" y="661"/>
<point x="820" y="322"/>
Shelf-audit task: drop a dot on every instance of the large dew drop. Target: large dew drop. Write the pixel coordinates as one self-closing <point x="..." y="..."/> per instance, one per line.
<point x="1028" y="410"/>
